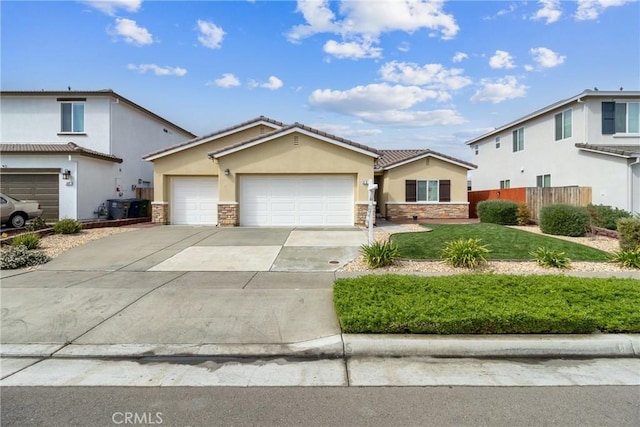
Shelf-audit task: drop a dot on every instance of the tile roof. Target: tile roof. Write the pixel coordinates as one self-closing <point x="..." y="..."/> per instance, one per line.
<point x="299" y="126"/>
<point x="56" y="148"/>
<point x="620" y="150"/>
<point x="194" y="141"/>
<point x="393" y="157"/>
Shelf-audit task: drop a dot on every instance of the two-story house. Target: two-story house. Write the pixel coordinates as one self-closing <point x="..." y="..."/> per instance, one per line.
<point x="591" y="140"/>
<point x="73" y="150"/>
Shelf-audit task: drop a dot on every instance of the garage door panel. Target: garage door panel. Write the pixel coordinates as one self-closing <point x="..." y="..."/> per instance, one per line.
<point x="296" y="200"/>
<point x="41" y="187"/>
<point x="194" y="200"/>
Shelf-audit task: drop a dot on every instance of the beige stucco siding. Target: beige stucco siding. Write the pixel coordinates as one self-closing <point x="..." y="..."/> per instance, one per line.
<point x="282" y="156"/>
<point x="393" y="181"/>
<point x="194" y="161"/>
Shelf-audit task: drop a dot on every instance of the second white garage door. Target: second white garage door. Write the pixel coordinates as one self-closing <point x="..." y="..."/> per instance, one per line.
<point x="296" y="200"/>
<point x="194" y="200"/>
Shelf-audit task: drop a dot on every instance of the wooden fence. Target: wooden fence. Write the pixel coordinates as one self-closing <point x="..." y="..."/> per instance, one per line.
<point x="144" y="193"/>
<point x="534" y="197"/>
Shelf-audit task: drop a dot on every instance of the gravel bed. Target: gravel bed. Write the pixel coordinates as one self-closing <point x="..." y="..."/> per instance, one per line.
<point x="55" y="244"/>
<point x="603" y="243"/>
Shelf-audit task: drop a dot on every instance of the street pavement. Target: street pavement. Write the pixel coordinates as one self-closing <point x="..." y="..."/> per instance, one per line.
<point x="170" y="305"/>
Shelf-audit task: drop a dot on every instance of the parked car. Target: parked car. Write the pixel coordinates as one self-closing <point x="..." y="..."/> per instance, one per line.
<point x="15" y="213"/>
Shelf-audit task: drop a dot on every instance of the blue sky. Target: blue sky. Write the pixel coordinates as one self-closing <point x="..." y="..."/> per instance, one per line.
<point x="388" y="74"/>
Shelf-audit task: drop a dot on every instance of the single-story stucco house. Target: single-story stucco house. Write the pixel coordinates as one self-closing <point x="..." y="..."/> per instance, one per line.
<point x="265" y="173"/>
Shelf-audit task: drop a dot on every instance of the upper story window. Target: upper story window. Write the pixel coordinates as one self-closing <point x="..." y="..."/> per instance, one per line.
<point x="72" y="117"/>
<point x="620" y="117"/>
<point x="505" y="183"/>
<point x="497" y="142"/>
<point x="518" y="140"/>
<point x="564" y="125"/>
<point x="476" y="149"/>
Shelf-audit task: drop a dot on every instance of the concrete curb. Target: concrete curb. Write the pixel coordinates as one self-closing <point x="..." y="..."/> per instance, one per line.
<point x="350" y="345"/>
<point x="499" y="346"/>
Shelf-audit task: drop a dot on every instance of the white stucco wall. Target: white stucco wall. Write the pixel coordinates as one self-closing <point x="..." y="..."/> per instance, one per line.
<point x="609" y="176"/>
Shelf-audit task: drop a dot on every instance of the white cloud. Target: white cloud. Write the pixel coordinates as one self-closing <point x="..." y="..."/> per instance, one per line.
<point x="459" y="57"/>
<point x="432" y="76"/>
<point x="352" y="50"/>
<point x="274" y="83"/>
<point x="591" y="9"/>
<point x="512" y="7"/>
<point x="227" y="80"/>
<point x="344" y="130"/>
<point x="550" y="11"/>
<point x="404" y="47"/>
<point x="364" y="20"/>
<point x="501" y="59"/>
<point x="210" y="35"/>
<point x="499" y="90"/>
<point x="546" y="58"/>
<point x="110" y="7"/>
<point x="158" y="70"/>
<point x="129" y="30"/>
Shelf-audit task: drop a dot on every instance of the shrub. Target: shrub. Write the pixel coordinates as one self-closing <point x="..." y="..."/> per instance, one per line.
<point x="629" y="258"/>
<point x="502" y="212"/>
<point x="36" y="224"/>
<point x="380" y="254"/>
<point x="67" y="226"/>
<point x="30" y="240"/>
<point x="564" y="220"/>
<point x="465" y="253"/>
<point x="605" y="216"/>
<point x="550" y="258"/>
<point x="629" y="229"/>
<point x="20" y="256"/>
<point x="523" y="215"/>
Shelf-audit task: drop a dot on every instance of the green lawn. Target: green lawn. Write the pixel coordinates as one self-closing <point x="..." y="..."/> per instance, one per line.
<point x="487" y="304"/>
<point x="503" y="242"/>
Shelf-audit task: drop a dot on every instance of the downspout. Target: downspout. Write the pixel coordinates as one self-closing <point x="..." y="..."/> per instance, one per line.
<point x="74" y="182"/>
<point x="631" y="192"/>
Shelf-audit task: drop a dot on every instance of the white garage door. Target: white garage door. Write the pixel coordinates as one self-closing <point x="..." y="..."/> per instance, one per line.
<point x="194" y="200"/>
<point x="296" y="200"/>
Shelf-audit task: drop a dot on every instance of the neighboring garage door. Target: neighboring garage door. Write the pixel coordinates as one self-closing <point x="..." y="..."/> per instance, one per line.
<point x="194" y="200"/>
<point x="296" y="200"/>
<point x="41" y="187"/>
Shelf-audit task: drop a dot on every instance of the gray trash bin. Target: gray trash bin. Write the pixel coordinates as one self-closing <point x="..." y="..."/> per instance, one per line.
<point x="118" y="209"/>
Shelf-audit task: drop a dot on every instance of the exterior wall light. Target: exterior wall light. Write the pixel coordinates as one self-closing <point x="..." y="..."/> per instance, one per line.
<point x="227" y="172"/>
<point x="66" y="174"/>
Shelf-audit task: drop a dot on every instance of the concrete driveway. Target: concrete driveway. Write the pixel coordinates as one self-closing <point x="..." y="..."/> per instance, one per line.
<point x="181" y="290"/>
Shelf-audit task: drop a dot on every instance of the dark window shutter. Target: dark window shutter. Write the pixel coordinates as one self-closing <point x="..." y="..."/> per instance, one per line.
<point x="410" y="190"/>
<point x="558" y="127"/>
<point x="445" y="190"/>
<point x="608" y="118"/>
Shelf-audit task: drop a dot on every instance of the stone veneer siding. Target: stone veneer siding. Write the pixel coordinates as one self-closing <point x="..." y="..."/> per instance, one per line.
<point x="228" y="215"/>
<point x="403" y="211"/>
<point x="361" y="213"/>
<point x="160" y="212"/>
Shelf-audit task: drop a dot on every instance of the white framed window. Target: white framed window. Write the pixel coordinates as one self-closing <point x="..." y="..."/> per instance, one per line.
<point x="543" y="180"/>
<point x="505" y="183"/>
<point x="497" y="142"/>
<point x="620" y="117"/>
<point x="476" y="149"/>
<point x="72" y="117"/>
<point x="428" y="190"/>
<point x="564" y="125"/>
<point x="518" y="139"/>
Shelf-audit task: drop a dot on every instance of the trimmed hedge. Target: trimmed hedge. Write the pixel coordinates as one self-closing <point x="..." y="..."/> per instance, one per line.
<point x="605" y="216"/>
<point x="629" y="229"/>
<point x="487" y="304"/>
<point x="564" y="220"/>
<point x="503" y="212"/>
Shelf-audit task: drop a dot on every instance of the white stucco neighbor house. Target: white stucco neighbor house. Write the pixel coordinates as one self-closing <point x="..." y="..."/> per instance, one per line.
<point x="591" y="140"/>
<point x="73" y="150"/>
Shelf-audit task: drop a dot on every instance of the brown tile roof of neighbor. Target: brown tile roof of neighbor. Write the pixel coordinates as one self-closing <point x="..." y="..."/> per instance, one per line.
<point x="620" y="150"/>
<point x="299" y="126"/>
<point x="194" y="141"/>
<point x="393" y="157"/>
<point x="56" y="148"/>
